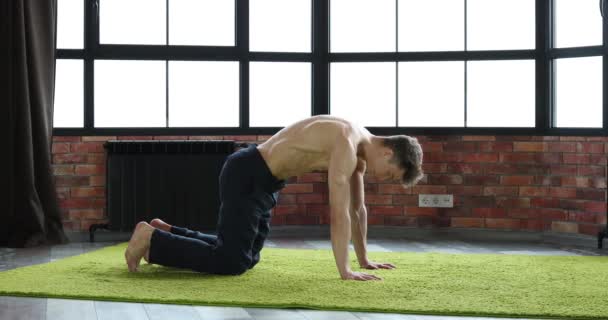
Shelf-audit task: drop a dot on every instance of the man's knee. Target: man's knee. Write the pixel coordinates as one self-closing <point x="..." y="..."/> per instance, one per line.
<point x="234" y="266"/>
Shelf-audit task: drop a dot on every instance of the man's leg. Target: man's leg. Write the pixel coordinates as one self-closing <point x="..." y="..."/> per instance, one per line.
<point x="160" y="224"/>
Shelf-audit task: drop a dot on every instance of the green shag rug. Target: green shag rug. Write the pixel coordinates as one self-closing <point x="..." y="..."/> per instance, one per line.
<point x="423" y="283"/>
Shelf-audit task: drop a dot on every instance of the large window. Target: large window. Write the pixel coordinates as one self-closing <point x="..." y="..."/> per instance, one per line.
<point x="397" y="66"/>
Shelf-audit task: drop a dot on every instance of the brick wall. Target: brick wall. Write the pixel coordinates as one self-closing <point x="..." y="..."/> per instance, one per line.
<point x="498" y="182"/>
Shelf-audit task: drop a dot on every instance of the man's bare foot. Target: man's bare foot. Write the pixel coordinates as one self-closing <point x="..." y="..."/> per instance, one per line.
<point x="160" y="224"/>
<point x="138" y="245"/>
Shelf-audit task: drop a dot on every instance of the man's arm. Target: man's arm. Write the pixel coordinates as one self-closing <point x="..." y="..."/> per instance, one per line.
<point x="358" y="214"/>
<point x="342" y="164"/>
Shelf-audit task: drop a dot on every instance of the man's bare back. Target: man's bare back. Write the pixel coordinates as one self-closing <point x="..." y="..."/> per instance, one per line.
<point x="306" y="145"/>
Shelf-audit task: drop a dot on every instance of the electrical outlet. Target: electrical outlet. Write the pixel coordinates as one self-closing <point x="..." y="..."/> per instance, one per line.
<point x="436" y="200"/>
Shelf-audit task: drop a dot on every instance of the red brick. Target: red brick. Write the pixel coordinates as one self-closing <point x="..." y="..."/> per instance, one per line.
<point x="378" y="199"/>
<point x="547" y="181"/>
<point x="553" y="214"/>
<point x="502" y="223"/>
<point x="418" y="189"/>
<point x="585" y="217"/>
<point x="530" y="146"/>
<point x="567" y="227"/>
<point x="312" y="177"/>
<point x="311" y="198"/>
<point x="533" y="191"/>
<point x="514" y="138"/>
<point x="434" y="167"/>
<point x="481" y="180"/>
<point x="277" y="221"/>
<point x="71" y="181"/>
<point x="545" y="203"/>
<point x="580" y="182"/>
<point x="90" y="169"/>
<point x="241" y="138"/>
<point x="496" y="146"/>
<point x="264" y="137"/>
<point x="97" y="181"/>
<point x="466" y="190"/>
<point x="489" y="213"/>
<point x="385" y="210"/>
<point x="590" y="171"/>
<point x="561" y="146"/>
<point x="460" y="146"/>
<point x="80" y="214"/>
<point x="478" y="138"/>
<point x="96" y="158"/>
<point x="458" y="222"/>
<point x="62" y="170"/>
<point x="598" y="159"/>
<point x="518" y="157"/>
<point x="87" y="147"/>
<point x="389" y="188"/>
<point x="548" y="158"/>
<point x="206" y="138"/>
<point x="80" y="203"/>
<point x="62" y="193"/>
<point x="563" y="170"/>
<point x="454" y="212"/>
<point x="317" y="209"/>
<point x="282" y="209"/>
<point x="298" y="188"/>
<point x="532" y="225"/>
<point x="71" y="225"/>
<point x="287" y="198"/>
<point x="595" y="206"/>
<point x="69" y="158"/>
<point x="476" y="202"/>
<point x="571" y="204"/>
<point x="417" y="211"/>
<point x="504" y="202"/>
<point x="465" y="168"/>
<point x="562" y="192"/>
<point x="135" y="138"/>
<point x="589" y="229"/>
<point x="597" y="139"/>
<point x="431" y="157"/>
<point x="60" y="147"/>
<point x="87" y="192"/>
<point x="481" y="157"/>
<point x="170" y="137"/>
<point x="591" y="194"/>
<point x="598" y="183"/>
<point x="66" y="138"/>
<point x="98" y="138"/>
<point x="516" y="180"/>
<point x="297" y="219"/>
<point x="589" y="147"/>
<point x="601" y="219"/>
<point x="500" y="191"/>
<point x="408" y="200"/>
<point x="572" y="139"/>
<point x="86" y="224"/>
<point x="576" y="158"/>
<point x="322" y="188"/>
<point x="524" y="213"/>
<point x="401" y="221"/>
<point x="445" y="179"/>
<point x="432" y="146"/>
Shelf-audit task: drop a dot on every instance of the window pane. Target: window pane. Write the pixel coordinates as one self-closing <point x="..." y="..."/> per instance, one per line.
<point x="201" y="22"/>
<point x="364" y="92"/>
<point x="70" y="24"/>
<point x="132" y="21"/>
<point x="431" y="25"/>
<point x="203" y="94"/>
<point x="69" y="94"/>
<point x="280" y="26"/>
<point x="578" y="92"/>
<point x="279" y="93"/>
<point x="362" y="25"/>
<point x="501" y="24"/>
<point x="431" y="94"/>
<point x="577" y="23"/>
<point x="501" y="93"/>
<point x="130" y="93"/>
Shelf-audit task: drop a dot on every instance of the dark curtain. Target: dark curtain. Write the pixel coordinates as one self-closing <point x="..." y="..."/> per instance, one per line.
<point x="29" y="212"/>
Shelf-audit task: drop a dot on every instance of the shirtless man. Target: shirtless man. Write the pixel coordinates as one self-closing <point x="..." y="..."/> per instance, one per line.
<point x="249" y="185"/>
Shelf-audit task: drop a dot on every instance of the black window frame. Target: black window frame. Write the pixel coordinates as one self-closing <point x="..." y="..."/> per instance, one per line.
<point x="320" y="59"/>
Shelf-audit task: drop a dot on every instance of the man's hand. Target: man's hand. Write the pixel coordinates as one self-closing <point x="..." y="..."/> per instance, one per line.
<point x="352" y="275"/>
<point x="376" y="265"/>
